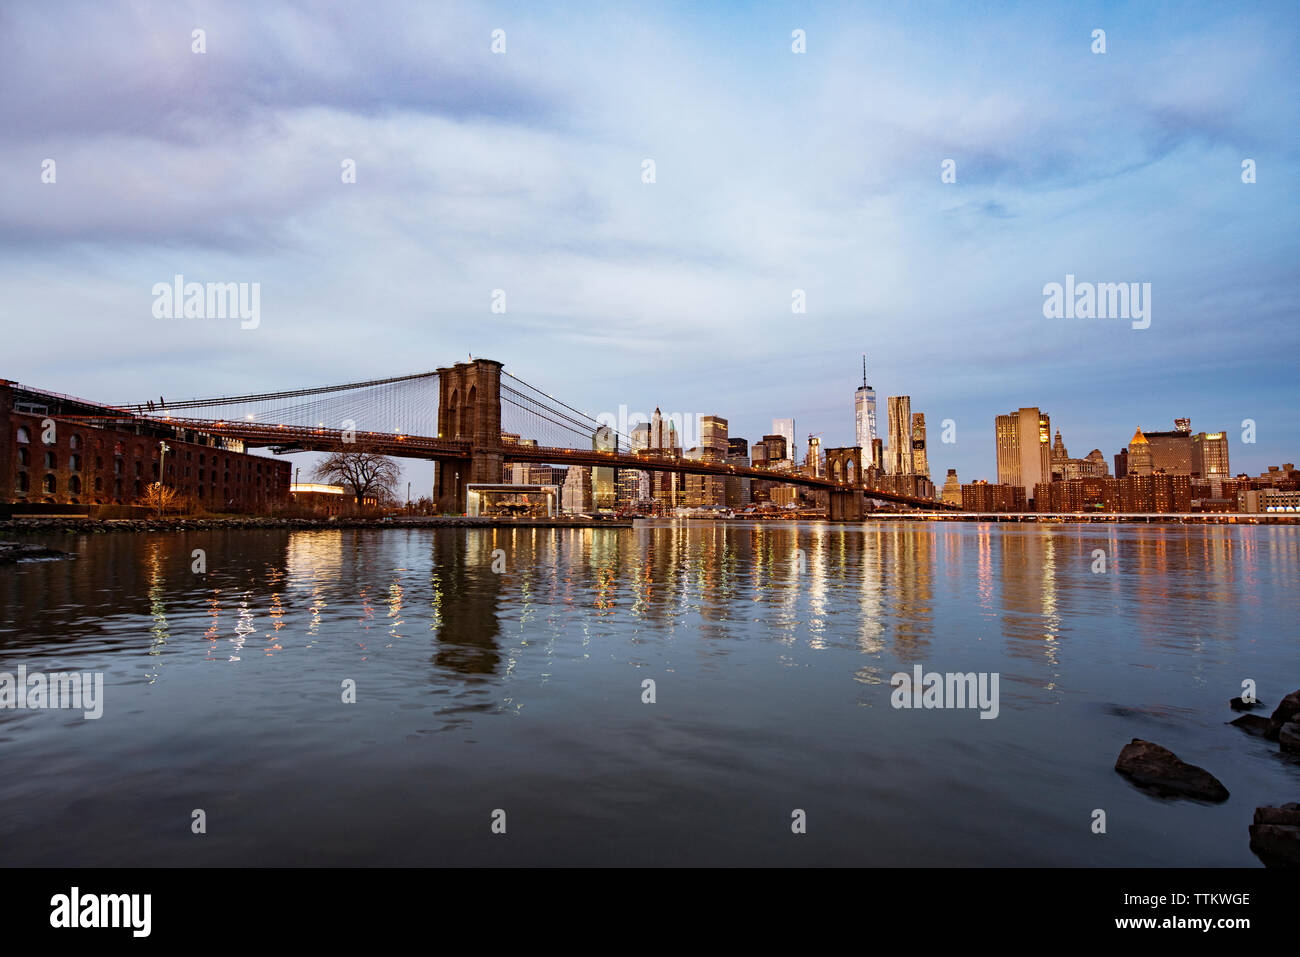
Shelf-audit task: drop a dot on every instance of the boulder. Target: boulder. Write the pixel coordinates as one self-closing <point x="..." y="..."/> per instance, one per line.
<point x="1288" y="710"/>
<point x="18" y="551"/>
<point x="1289" y="737"/>
<point x="1159" y="770"/>
<point x="1241" y="704"/>
<point x="1275" y="835"/>
<point x="1255" y="724"/>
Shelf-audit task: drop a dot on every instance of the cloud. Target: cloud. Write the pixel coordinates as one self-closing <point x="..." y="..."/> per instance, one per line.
<point x="522" y="172"/>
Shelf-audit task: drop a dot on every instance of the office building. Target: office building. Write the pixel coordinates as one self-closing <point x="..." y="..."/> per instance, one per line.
<point x="951" y="489"/>
<point x="1171" y="452"/>
<point x="1139" y="455"/>
<point x="1024" y="450"/>
<point x="900" y="435"/>
<point x="920" y="462"/>
<point x="1210" y="456"/>
<point x="778" y="449"/>
<point x="575" y="496"/>
<point x="864" y="411"/>
<point x="603" y="479"/>
<point x="785" y="429"/>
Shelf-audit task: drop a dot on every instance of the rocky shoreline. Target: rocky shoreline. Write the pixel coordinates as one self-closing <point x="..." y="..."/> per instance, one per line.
<point x="94" y="526"/>
<point x="1275" y="831"/>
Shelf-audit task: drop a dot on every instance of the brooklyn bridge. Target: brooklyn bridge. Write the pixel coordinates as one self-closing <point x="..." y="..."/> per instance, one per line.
<point x="472" y="418"/>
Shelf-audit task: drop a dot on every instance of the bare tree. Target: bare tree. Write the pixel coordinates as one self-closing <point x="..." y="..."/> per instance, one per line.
<point x="162" y="498"/>
<point x="364" y="474"/>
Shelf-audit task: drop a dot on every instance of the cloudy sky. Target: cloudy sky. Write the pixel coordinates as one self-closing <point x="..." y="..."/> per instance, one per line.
<point x="774" y="171"/>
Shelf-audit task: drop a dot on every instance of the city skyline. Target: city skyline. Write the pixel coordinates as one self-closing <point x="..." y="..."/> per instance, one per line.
<point x="676" y="288"/>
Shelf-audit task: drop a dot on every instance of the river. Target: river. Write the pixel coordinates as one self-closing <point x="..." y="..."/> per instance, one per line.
<point x="499" y="682"/>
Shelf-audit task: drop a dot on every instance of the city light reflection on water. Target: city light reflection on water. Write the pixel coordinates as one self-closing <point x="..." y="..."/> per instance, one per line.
<point x="771" y="647"/>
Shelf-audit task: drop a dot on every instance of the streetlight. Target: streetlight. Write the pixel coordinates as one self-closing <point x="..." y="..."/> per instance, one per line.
<point x="163" y="449"/>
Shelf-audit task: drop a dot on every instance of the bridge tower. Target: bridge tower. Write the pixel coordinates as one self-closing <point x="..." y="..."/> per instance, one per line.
<point x="469" y="408"/>
<point x="845" y="465"/>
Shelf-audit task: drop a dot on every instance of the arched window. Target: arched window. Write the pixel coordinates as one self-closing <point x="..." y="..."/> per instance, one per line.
<point x="50" y="461"/>
<point x="74" y="463"/>
<point x="99" y="484"/>
<point x="20" y="482"/>
<point x="74" y="441"/>
<point x="51" y="484"/>
<point x="24" y="437"/>
<point x="74" y="485"/>
<point x="24" y="458"/>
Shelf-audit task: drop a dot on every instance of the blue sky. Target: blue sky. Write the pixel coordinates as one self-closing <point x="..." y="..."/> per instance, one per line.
<point x="775" y="171"/>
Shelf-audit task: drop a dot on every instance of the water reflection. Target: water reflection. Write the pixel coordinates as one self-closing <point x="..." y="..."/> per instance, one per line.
<point x="772" y="645"/>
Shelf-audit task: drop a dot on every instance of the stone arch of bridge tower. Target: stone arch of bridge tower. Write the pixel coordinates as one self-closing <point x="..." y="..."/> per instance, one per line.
<point x="845" y="464"/>
<point x="469" y="409"/>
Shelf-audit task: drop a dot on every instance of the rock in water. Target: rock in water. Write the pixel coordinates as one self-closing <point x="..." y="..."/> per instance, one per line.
<point x="1275" y="835"/>
<point x="11" y="552"/>
<point x="1288" y="710"/>
<point x="1289" y="737"/>
<point x="1159" y="769"/>
<point x="1241" y="704"/>
<point x="1255" y="724"/>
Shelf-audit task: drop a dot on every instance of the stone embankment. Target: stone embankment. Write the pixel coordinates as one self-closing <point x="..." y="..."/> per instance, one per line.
<point x="91" y="526"/>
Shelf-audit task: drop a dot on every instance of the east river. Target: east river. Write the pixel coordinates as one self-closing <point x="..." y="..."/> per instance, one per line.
<point x="384" y="696"/>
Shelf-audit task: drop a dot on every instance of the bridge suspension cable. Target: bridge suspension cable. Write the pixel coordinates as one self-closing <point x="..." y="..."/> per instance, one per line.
<point x="149" y="405"/>
<point x="557" y="412"/>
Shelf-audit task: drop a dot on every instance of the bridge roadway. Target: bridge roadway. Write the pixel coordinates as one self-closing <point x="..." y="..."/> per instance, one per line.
<point x="306" y="439"/>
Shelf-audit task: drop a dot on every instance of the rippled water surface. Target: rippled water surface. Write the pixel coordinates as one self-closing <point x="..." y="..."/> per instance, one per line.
<point x="771" y="648"/>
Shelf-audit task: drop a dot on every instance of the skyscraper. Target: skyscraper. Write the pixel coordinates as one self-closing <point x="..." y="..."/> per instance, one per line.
<point x="713" y="448"/>
<point x="814" y="460"/>
<point x="1024" y="448"/>
<point x="900" y="435"/>
<point x="952" y="489"/>
<point x="1139" y="454"/>
<point x="1210" y="456"/>
<point x="920" y="461"/>
<point x="576" y="494"/>
<point x="864" y="412"/>
<point x="603" y="479"/>
<point x="1171" y="452"/>
<point x="777" y="448"/>
<point x="785" y="428"/>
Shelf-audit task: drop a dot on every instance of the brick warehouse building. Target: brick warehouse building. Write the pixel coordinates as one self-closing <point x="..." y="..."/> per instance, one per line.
<point x="89" y="465"/>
